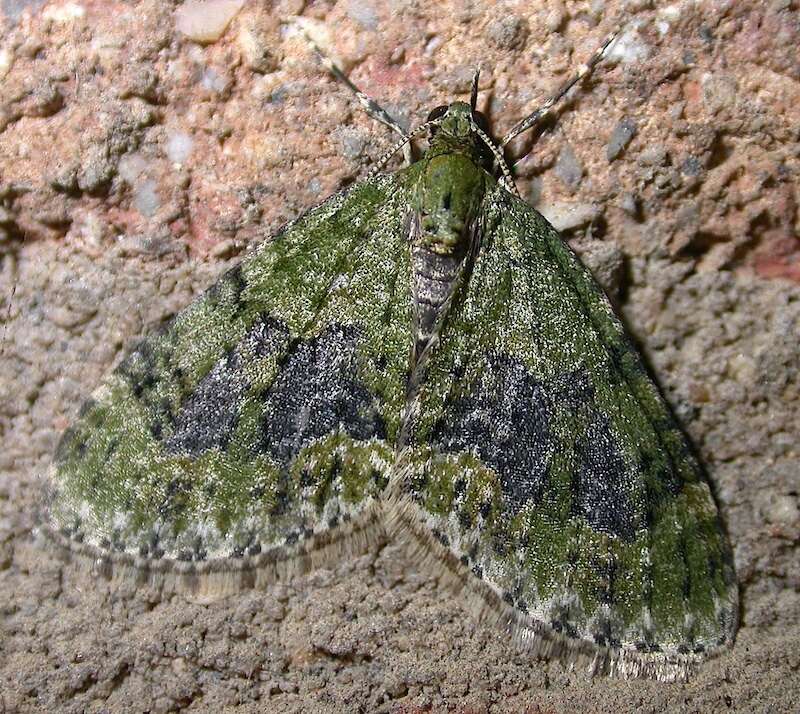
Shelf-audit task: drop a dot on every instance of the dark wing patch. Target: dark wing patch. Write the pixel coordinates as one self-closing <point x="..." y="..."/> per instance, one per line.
<point x="318" y="392"/>
<point x="504" y="418"/>
<point x="209" y="416"/>
<point x="601" y="486"/>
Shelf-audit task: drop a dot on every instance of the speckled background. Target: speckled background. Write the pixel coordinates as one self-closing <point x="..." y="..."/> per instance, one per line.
<point x="135" y="164"/>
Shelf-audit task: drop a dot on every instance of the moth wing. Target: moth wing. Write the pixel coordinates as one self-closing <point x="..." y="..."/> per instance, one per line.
<point x="260" y="422"/>
<point x="544" y="459"/>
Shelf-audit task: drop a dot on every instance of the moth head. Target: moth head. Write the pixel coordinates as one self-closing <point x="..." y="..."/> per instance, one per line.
<point x="460" y="124"/>
<point x="456" y="119"/>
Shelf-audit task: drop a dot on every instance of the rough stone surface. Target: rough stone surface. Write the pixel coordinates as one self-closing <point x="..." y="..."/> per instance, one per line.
<point x="109" y="225"/>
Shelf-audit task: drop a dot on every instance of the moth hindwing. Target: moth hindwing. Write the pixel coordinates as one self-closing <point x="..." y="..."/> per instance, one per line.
<point x="421" y="357"/>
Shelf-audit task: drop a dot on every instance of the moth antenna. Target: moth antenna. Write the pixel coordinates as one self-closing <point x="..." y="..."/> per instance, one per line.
<point x="533" y="119"/>
<point x="473" y="93"/>
<point x="499" y="161"/>
<point x="11" y="266"/>
<point x="368" y="104"/>
<point x="405" y="141"/>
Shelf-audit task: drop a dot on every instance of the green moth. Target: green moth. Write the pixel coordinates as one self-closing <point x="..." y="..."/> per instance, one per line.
<point x="419" y="357"/>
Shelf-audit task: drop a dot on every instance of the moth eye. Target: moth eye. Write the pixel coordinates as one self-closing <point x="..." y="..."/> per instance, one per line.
<point x="437" y="113"/>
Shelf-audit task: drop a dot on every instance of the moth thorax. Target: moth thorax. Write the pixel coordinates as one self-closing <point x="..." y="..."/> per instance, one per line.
<point x="443" y="231"/>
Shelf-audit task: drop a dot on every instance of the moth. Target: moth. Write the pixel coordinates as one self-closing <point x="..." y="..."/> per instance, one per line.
<point x="420" y="357"/>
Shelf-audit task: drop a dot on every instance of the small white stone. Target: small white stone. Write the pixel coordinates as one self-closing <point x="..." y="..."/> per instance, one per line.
<point x="145" y="198"/>
<point x="363" y="13"/>
<point x="213" y="81"/>
<point x="130" y="167"/>
<point x="433" y="44"/>
<point x="6" y="60"/>
<point x="64" y="13"/>
<point x="196" y="54"/>
<point x="89" y="229"/>
<point x="179" y="147"/>
<point x="206" y="20"/>
<point x="783" y="510"/>
<point x="629" y="48"/>
<point x="671" y="13"/>
<point x="742" y="368"/>
<point x="564" y="215"/>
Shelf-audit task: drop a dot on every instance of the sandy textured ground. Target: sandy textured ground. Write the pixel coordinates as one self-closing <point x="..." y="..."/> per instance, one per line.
<point x="135" y="164"/>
